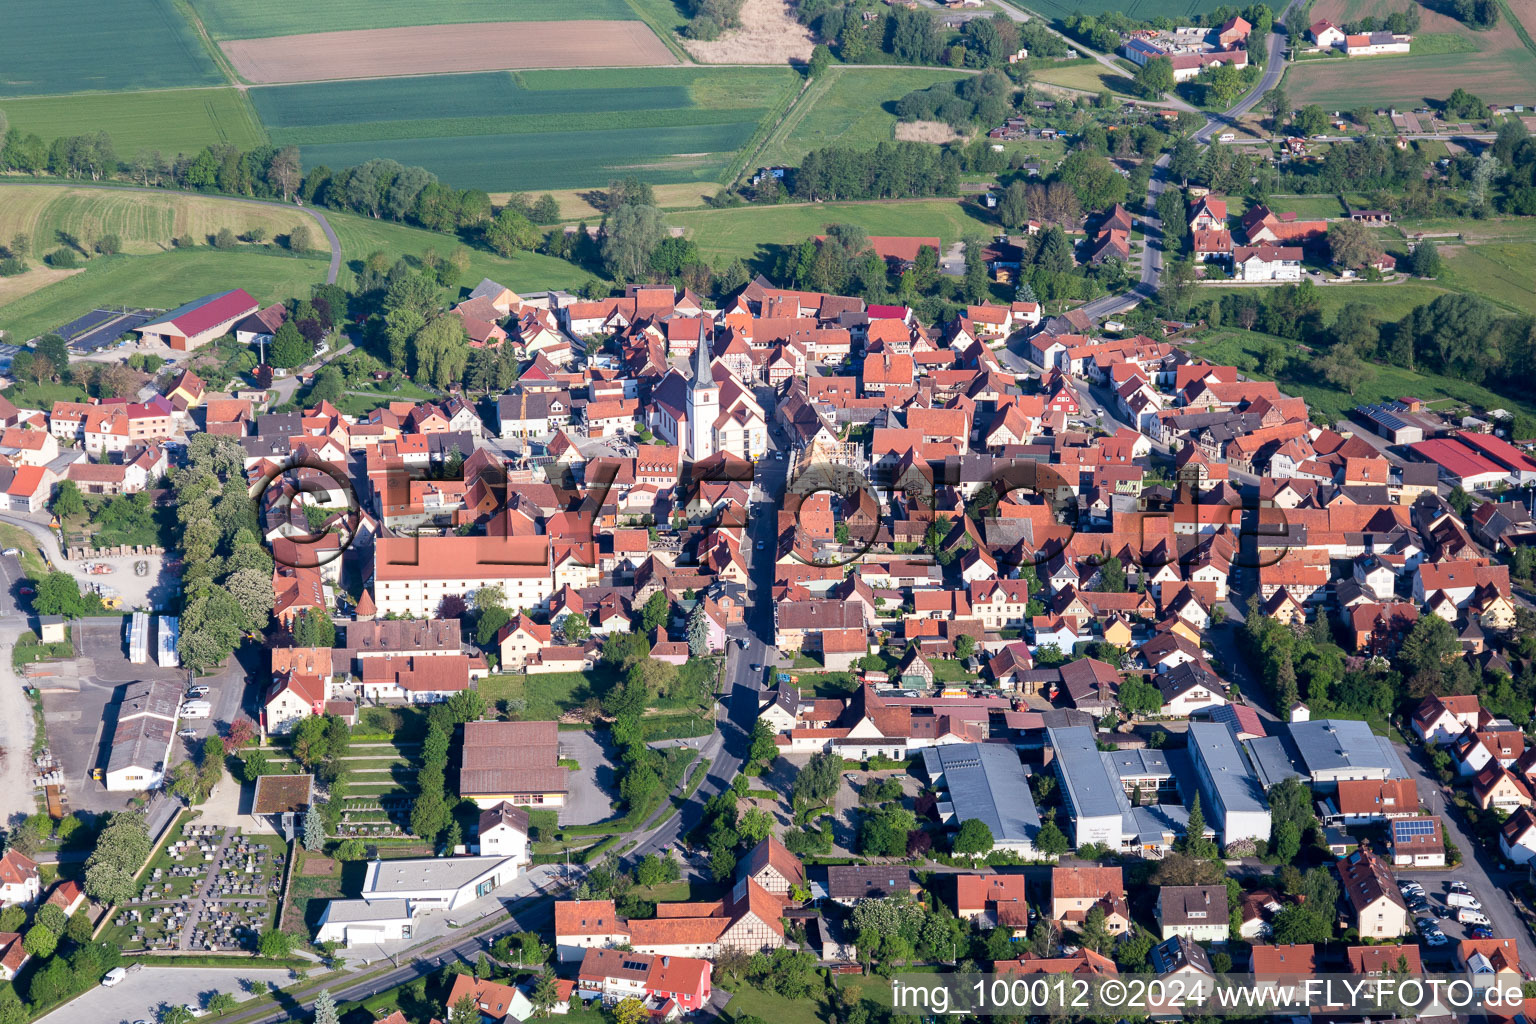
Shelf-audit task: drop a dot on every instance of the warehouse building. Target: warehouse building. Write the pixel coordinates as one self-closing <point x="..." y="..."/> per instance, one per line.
<point x="985" y="781"/>
<point x="1232" y="798"/>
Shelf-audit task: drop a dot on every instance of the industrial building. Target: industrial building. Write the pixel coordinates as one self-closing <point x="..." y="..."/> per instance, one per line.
<point x="1231" y="796"/>
<point x="1095" y="787"/>
<point x="985" y="781"/>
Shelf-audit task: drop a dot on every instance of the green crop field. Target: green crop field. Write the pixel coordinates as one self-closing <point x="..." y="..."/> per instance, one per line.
<point x="162" y="280"/>
<point x="1083" y="75"/>
<point x="747" y="231"/>
<point x="848" y="106"/>
<point x="532" y="129"/>
<point x="47" y="47"/>
<point x="169" y="120"/>
<point x="1498" y="271"/>
<point x="245" y="19"/>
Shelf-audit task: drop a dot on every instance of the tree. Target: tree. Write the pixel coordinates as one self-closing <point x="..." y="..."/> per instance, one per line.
<point x="314" y="829"/>
<point x="441" y="350"/>
<point x="965" y="646"/>
<point x="289" y="349"/>
<point x="39" y="941"/>
<point x="1140" y="698"/>
<point x="1424" y="260"/>
<point x="653" y="614"/>
<point x="1013" y="206"/>
<point x="1154" y="78"/>
<point x="68" y="503"/>
<point x="221" y="1002"/>
<point x="1311" y="120"/>
<point x="1352" y="245"/>
<point x="285" y="171"/>
<point x="466" y="1008"/>
<point x="821" y="59"/>
<point x="300" y="239"/>
<point x="313" y="628"/>
<point x="764" y="749"/>
<point x="629" y="1011"/>
<point x="275" y="945"/>
<point x="58" y="593"/>
<point x="973" y="839"/>
<point x="512" y="231"/>
<point x="1194" y="842"/>
<point x="177" y="1013"/>
<point x="1050" y="840"/>
<point x="325" y="1008"/>
<point x="698" y="632"/>
<point x="1278" y="102"/>
<point x="756" y="825"/>
<point x="1345" y="370"/>
<point x="631" y="234"/>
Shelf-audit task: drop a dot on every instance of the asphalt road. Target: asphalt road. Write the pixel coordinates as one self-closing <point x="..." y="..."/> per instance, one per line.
<point x="1152" y="250"/>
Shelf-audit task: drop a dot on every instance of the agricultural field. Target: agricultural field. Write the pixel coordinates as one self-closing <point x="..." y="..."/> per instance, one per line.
<point x="547" y="129"/>
<point x="577" y="204"/>
<point x="1503" y="69"/>
<point x="95" y="45"/>
<point x="146" y="222"/>
<point x="161" y="281"/>
<point x="1498" y="271"/>
<point x="445" y="49"/>
<point x="748" y="232"/>
<point x="847" y="106"/>
<point x="242" y="19"/>
<point x="169" y="120"/>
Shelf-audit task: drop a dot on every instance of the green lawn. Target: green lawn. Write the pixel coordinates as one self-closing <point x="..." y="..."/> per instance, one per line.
<point x="849" y="106"/>
<point x="48" y="48"/>
<point x="242" y="19"/>
<point x="1086" y="75"/>
<point x="1241" y="348"/>
<point x="551" y="694"/>
<point x="28" y="395"/>
<point x="1385" y="301"/>
<point x="171" y="121"/>
<point x="748" y="231"/>
<point x="163" y="280"/>
<point x="1499" y="271"/>
<point x="527" y="271"/>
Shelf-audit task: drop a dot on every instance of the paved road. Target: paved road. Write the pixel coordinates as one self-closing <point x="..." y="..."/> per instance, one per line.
<point x="325" y="225"/>
<point x="1152" y="250"/>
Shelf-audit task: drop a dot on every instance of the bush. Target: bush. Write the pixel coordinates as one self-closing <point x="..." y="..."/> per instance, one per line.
<point x="63" y="259"/>
<point x="11" y="266"/>
<point x="185" y="242"/>
<point x="225" y="239"/>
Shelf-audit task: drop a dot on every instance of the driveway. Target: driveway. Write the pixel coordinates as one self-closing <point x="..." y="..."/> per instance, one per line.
<point x="143" y="994"/>
<point x="593" y="787"/>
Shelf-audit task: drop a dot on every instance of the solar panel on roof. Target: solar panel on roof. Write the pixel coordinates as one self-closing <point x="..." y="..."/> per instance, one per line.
<point x="1414" y="827"/>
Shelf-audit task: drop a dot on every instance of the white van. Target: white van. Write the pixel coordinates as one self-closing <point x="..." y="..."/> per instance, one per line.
<point x="1465" y="916"/>
<point x="113" y="976"/>
<point x="196" y="709"/>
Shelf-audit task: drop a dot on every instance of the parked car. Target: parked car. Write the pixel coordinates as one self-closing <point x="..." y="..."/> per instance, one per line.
<point x="1462" y="899"/>
<point x="1459" y="886"/>
<point x="11" y="551"/>
<point x="198" y="691"/>
<point x="114" y="976"/>
<point x="1482" y="931"/>
<point x="1465" y="916"/>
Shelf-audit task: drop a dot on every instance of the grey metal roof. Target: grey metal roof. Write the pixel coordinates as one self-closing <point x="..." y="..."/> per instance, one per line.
<point x="1234" y="782"/>
<point x="1151" y="822"/>
<point x="353" y="911"/>
<point x="986" y="781"/>
<point x="1091" y="784"/>
<point x="1336" y="744"/>
<point x="1137" y="763"/>
<point x="1271" y="761"/>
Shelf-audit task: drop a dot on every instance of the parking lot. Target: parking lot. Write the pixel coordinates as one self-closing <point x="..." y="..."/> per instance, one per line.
<point x="155" y="589"/>
<point x="594" y="786"/>
<point x="1437" y="886"/>
<point x="146" y="992"/>
<point x="80" y="706"/>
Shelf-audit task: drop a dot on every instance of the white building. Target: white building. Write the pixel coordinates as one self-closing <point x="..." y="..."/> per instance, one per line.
<point x="359" y="922"/>
<point x="1230" y="791"/>
<point x="412" y="575"/>
<point x="141" y="743"/>
<point x="504" y="833"/>
<point x="1267" y="263"/>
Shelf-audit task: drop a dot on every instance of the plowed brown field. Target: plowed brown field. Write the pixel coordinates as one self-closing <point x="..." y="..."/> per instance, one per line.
<point x="445" y="49"/>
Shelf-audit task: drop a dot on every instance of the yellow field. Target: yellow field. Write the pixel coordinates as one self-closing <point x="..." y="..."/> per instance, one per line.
<point x="574" y="205"/>
<point x="13" y="288"/>
<point x="145" y="221"/>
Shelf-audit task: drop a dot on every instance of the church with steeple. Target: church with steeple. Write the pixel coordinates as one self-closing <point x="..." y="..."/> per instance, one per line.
<point x="703" y="408"/>
<point x="707" y="410"/>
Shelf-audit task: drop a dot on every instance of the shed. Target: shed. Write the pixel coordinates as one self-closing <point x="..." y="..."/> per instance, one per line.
<point x="50" y="629"/>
